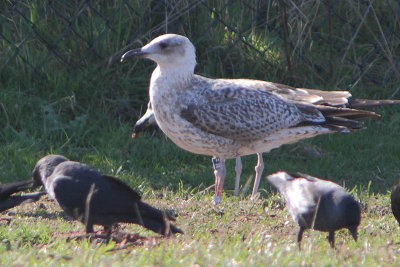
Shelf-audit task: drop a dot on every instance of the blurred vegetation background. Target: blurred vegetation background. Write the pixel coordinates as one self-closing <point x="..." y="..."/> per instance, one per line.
<point x="64" y="90"/>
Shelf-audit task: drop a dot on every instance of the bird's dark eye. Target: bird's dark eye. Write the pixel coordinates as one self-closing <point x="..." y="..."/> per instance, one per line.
<point x="163" y="44"/>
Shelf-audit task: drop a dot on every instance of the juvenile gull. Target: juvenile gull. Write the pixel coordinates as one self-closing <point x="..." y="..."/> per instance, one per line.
<point x="317" y="204"/>
<point x="228" y="118"/>
<point x="148" y="120"/>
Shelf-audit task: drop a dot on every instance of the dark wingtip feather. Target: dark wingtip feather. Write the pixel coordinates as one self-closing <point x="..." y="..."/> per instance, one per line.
<point x="339" y="119"/>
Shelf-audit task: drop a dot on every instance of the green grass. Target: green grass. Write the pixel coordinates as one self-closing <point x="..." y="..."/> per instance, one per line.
<point x="236" y="232"/>
<point x="86" y="113"/>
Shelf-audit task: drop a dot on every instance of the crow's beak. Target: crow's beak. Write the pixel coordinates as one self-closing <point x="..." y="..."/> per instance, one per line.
<point x="132" y="54"/>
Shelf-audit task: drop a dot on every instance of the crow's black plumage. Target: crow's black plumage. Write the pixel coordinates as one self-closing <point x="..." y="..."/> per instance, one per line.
<point x="94" y="198"/>
<point x="8" y="200"/>
<point x="317" y="204"/>
<point x="16" y="200"/>
<point x="395" y="201"/>
<point x="7" y="190"/>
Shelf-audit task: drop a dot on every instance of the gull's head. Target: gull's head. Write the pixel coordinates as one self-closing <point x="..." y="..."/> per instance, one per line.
<point x="168" y="51"/>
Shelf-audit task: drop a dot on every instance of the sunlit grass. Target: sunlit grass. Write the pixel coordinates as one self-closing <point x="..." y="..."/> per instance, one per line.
<point x="86" y="113"/>
<point x="238" y="232"/>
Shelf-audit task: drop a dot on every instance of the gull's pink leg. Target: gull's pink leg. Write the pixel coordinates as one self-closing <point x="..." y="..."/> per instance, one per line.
<point x="259" y="169"/>
<point x="238" y="170"/>
<point x="219" y="172"/>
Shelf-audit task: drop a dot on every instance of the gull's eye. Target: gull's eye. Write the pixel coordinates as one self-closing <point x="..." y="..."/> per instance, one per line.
<point x="163" y="45"/>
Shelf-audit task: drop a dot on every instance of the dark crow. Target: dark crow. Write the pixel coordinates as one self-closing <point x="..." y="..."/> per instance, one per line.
<point x="317" y="204"/>
<point x="7" y="190"/>
<point x="8" y="200"/>
<point x="93" y="198"/>
<point x="395" y="201"/>
<point x="16" y="200"/>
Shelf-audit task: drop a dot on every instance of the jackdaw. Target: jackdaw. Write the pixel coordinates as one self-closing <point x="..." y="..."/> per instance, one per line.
<point x="93" y="198"/>
<point x="317" y="204"/>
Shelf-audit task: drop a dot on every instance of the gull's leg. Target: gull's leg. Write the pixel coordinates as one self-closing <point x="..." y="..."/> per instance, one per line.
<point x="259" y="170"/>
<point x="219" y="172"/>
<point x="238" y="170"/>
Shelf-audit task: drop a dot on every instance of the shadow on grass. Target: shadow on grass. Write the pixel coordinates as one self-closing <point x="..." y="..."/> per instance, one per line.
<point x="47" y="215"/>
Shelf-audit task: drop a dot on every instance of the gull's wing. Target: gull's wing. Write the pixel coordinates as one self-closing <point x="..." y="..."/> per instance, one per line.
<point x="242" y="113"/>
<point x="303" y="95"/>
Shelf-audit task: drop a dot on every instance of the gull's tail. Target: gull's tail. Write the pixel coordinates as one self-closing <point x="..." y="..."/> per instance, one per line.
<point x="346" y="118"/>
<point x="351" y="116"/>
<point x="338" y="119"/>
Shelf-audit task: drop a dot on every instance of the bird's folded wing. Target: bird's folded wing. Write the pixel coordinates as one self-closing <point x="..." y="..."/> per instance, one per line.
<point x="303" y="95"/>
<point x="330" y="98"/>
<point x="247" y="114"/>
<point x="123" y="188"/>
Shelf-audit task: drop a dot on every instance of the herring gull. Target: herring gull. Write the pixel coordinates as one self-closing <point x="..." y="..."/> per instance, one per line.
<point x="228" y="118"/>
<point x="317" y="204"/>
